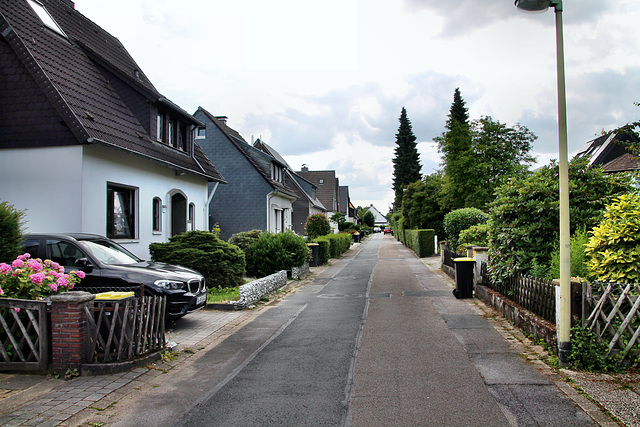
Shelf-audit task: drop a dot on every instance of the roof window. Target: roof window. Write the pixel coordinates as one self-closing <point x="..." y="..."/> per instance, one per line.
<point x="45" y="17"/>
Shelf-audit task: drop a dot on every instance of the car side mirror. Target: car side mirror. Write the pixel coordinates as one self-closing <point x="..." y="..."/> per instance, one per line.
<point x="83" y="263"/>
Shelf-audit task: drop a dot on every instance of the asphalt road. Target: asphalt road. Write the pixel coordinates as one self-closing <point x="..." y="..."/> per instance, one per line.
<point x="375" y="340"/>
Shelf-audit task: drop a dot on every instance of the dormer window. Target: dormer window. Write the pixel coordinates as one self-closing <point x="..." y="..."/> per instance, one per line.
<point x="45" y="17"/>
<point x="173" y="132"/>
<point x="277" y="173"/>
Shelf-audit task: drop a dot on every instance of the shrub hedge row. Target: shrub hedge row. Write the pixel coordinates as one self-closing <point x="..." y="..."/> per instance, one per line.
<point x="332" y="246"/>
<point x="422" y="242"/>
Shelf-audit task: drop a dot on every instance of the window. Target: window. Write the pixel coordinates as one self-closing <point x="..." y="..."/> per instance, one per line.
<point x="201" y="133"/>
<point x="64" y="253"/>
<point x="45" y="17"/>
<point x="121" y="212"/>
<point x="157" y="214"/>
<point x="276" y="172"/>
<point x="192" y="217"/>
<point x="321" y="182"/>
<point x="160" y="128"/>
<point x="171" y="133"/>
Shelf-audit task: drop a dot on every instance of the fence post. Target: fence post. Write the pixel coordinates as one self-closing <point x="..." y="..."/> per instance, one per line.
<point x="480" y="254"/>
<point x="69" y="336"/>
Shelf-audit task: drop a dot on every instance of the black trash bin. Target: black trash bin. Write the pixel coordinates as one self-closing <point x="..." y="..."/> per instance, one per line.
<point x="464" y="277"/>
<point x="315" y="252"/>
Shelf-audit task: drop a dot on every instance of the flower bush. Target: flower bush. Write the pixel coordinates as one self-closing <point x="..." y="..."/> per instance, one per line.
<point x="32" y="278"/>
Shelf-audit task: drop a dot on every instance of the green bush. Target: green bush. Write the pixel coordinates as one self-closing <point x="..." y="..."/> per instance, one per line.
<point x="421" y="242"/>
<point x="324" y="252"/>
<point x="588" y="354"/>
<point x="11" y="227"/>
<point x="245" y="239"/>
<point x="578" y="257"/>
<point x="476" y="235"/>
<point x="220" y="263"/>
<point x="273" y="252"/>
<point x="613" y="250"/>
<point x="337" y="243"/>
<point x="461" y="219"/>
<point x="524" y="213"/>
<point x="317" y="225"/>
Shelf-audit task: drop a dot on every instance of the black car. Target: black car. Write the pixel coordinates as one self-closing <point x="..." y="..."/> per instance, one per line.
<point x="108" y="265"/>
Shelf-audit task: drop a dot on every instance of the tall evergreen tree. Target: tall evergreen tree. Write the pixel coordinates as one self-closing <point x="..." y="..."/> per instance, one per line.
<point x="406" y="164"/>
<point x="455" y="146"/>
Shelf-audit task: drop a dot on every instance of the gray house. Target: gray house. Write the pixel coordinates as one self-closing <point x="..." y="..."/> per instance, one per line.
<point x="308" y="202"/>
<point x="257" y="194"/>
<point x="610" y="151"/>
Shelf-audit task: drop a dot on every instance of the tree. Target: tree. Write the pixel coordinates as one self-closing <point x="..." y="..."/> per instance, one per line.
<point x="524" y="213"/>
<point x="406" y="164"/>
<point x="455" y="146"/>
<point x="420" y="206"/>
<point x="368" y="219"/>
<point x="12" y="222"/>
<point x="317" y="225"/>
<point x="498" y="152"/>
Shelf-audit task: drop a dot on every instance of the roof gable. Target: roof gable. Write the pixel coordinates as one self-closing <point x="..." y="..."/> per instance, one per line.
<point x="70" y="73"/>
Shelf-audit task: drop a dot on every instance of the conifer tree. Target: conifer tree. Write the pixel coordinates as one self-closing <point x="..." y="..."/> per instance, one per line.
<point x="406" y="164"/>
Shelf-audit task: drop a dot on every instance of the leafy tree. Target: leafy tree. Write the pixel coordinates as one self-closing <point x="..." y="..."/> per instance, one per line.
<point x="613" y="250"/>
<point x="317" y="225"/>
<point x="273" y="252"/>
<point x="369" y="219"/>
<point x="406" y="164"/>
<point x="339" y="219"/>
<point x="11" y="228"/>
<point x="420" y="206"/>
<point x="499" y="152"/>
<point x="459" y="220"/>
<point x="525" y="213"/>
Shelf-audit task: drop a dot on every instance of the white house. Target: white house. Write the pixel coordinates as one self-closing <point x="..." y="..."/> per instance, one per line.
<point x="87" y="144"/>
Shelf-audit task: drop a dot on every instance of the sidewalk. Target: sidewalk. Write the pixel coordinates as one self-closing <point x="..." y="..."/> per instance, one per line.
<point x="595" y="393"/>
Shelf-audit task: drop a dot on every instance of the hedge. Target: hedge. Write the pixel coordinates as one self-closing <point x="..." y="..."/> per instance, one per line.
<point x="337" y="244"/>
<point x="422" y="242"/>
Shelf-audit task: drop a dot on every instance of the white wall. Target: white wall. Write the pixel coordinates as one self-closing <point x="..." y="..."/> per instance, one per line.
<point x="64" y="189"/>
<point x="278" y="202"/>
<point x="47" y="183"/>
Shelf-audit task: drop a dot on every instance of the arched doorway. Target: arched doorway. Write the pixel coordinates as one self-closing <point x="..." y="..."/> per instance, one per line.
<point x="178" y="214"/>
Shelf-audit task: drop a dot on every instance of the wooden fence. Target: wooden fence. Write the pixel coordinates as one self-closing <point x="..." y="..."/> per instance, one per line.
<point x="615" y="317"/>
<point x="126" y="328"/>
<point x="24" y="335"/>
<point x="536" y="295"/>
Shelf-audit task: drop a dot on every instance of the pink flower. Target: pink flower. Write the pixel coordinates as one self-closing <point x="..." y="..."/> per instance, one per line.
<point x="16" y="309"/>
<point x="24" y="256"/>
<point x="17" y="272"/>
<point x="80" y="274"/>
<point x="37" y="278"/>
<point x="53" y="286"/>
<point x="61" y="269"/>
<point x="52" y="273"/>
<point x="62" y="281"/>
<point x="55" y="265"/>
<point x="35" y="265"/>
<point x="1" y="292"/>
<point x="17" y="263"/>
<point x="5" y="268"/>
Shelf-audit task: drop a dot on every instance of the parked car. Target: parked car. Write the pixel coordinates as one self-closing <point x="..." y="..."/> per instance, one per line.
<point x="377" y="229"/>
<point x="388" y="230"/>
<point x="108" y="265"/>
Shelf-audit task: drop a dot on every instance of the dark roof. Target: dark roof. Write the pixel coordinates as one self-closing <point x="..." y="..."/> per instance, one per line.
<point x="610" y="149"/>
<point x="626" y="162"/>
<point x="327" y="190"/>
<point x="78" y="74"/>
<point x="260" y="160"/>
<point x="306" y="189"/>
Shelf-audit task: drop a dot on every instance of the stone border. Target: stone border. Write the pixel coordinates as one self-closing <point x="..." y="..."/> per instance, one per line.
<point x="252" y="292"/>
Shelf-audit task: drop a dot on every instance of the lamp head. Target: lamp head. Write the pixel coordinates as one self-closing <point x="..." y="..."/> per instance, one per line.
<point x="533" y="6"/>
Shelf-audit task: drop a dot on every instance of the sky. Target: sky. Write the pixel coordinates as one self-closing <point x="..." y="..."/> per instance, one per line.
<point x="324" y="82"/>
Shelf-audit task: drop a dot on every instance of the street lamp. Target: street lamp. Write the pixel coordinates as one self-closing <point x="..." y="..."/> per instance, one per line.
<point x="564" y="323"/>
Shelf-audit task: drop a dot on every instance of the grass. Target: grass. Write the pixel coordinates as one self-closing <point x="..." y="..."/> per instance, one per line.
<point x="222" y="295"/>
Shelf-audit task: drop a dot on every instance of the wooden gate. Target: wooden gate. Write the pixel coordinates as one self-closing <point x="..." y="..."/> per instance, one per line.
<point x="24" y="335"/>
<point x="125" y="328"/>
<point x="616" y="317"/>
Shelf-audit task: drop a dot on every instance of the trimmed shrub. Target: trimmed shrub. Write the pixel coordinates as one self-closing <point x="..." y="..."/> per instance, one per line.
<point x="338" y="243"/>
<point x="613" y="250"/>
<point x="577" y="255"/>
<point x="476" y="235"/>
<point x="317" y="225"/>
<point x="422" y="242"/>
<point x="273" y="252"/>
<point x="461" y="219"/>
<point x="245" y="239"/>
<point x="324" y="252"/>
<point x="11" y="227"/>
<point x="220" y="263"/>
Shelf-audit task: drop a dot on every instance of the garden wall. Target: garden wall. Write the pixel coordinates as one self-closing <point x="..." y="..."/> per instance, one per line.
<point x="253" y="291"/>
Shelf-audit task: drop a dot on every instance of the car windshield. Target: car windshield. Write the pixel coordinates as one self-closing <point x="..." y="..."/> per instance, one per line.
<point x="109" y="253"/>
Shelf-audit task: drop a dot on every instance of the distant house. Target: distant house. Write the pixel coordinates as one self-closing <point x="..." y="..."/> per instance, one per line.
<point x="258" y="194"/>
<point x="379" y="218"/>
<point x="328" y="186"/>
<point x="346" y="207"/>
<point x="307" y="203"/>
<point x="609" y="151"/>
<point x="87" y="143"/>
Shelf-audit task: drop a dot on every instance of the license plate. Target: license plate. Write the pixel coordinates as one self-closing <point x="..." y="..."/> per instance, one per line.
<point x="201" y="299"/>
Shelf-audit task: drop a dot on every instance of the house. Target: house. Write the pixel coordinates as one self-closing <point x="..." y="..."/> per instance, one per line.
<point x="87" y="143"/>
<point x="258" y="194"/>
<point x="307" y="203"/>
<point x="328" y="192"/>
<point x="346" y="207"/>
<point x="380" y="219"/>
<point x="610" y="152"/>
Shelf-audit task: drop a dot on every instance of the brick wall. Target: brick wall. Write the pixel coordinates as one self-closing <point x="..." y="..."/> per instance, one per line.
<point x="69" y="337"/>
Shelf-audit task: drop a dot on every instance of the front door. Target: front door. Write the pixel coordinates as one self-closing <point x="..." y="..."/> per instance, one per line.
<point x="178" y="214"/>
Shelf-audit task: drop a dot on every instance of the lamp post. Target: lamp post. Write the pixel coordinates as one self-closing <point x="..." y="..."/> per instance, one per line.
<point x="564" y="324"/>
